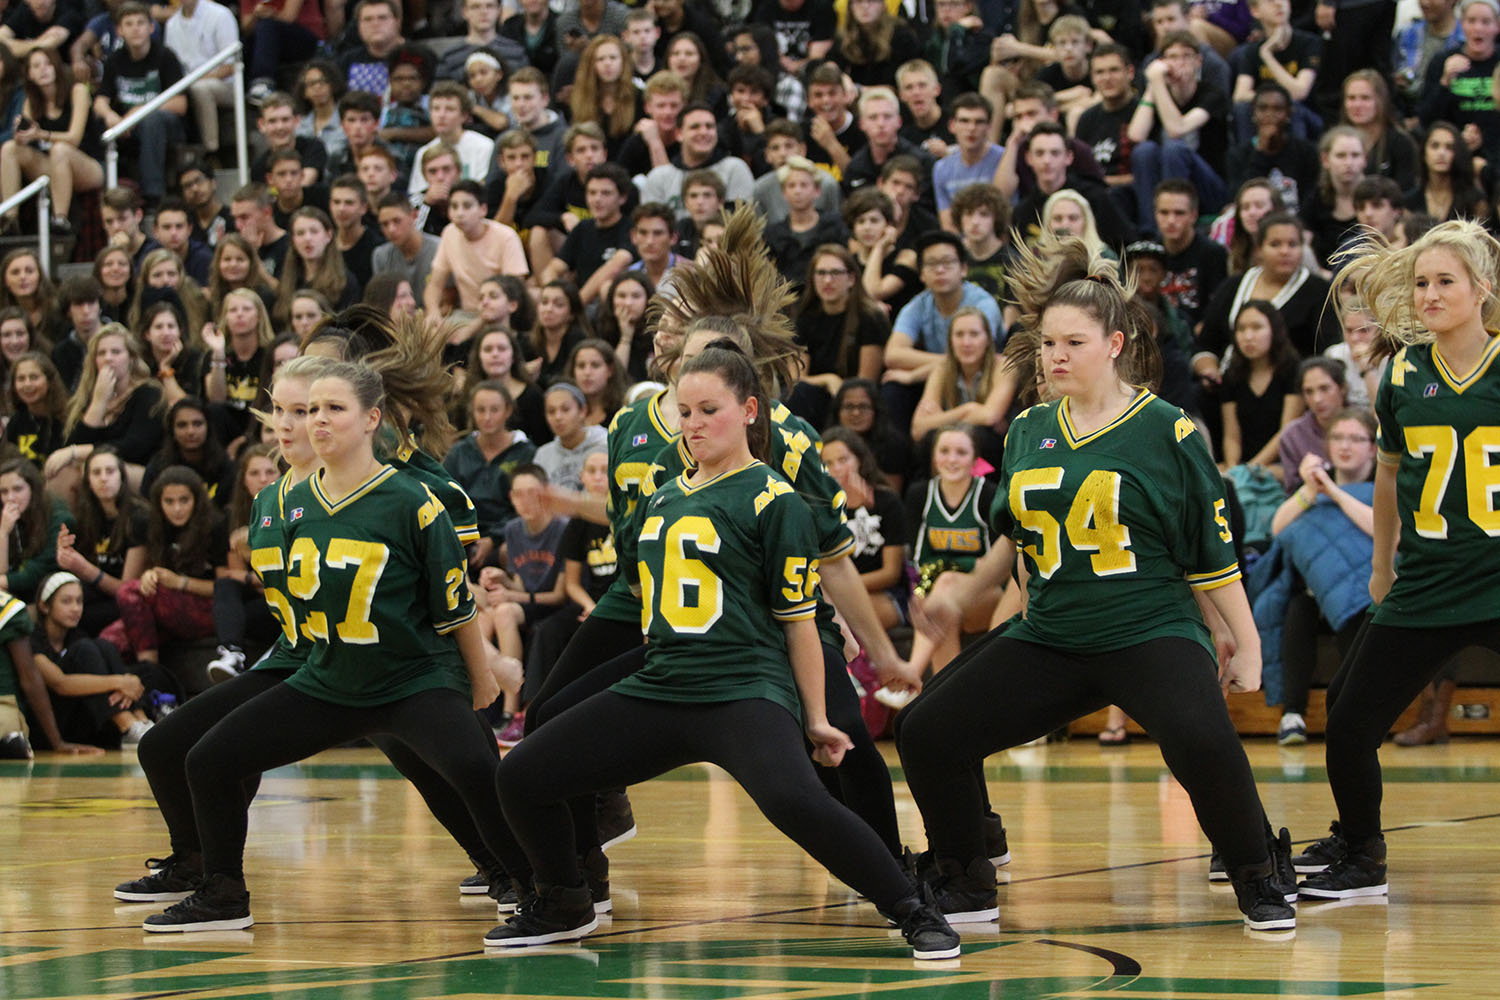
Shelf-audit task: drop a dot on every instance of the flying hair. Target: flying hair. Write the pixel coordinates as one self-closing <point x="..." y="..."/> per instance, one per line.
<point x="1384" y="279"/>
<point x="737" y="280"/>
<point x="1061" y="271"/>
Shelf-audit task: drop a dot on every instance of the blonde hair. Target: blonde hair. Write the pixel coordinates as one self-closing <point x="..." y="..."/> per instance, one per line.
<point x="1090" y="234"/>
<point x="140" y="372"/>
<point x="263" y="332"/>
<point x="1384" y="279"/>
<point x="189" y="295"/>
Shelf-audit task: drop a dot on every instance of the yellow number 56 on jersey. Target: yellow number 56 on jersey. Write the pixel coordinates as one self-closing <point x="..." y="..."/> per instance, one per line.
<point x="681" y="575"/>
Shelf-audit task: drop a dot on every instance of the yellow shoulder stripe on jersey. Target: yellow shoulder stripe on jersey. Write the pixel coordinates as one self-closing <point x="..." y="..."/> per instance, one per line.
<point x="779" y="413"/>
<point x="844" y="548"/>
<point x="1457" y="384"/>
<point x="1072" y="437"/>
<point x="443" y="628"/>
<point x="801" y="612"/>
<point x="282" y="488"/>
<point x="328" y="505"/>
<point x="1218" y="578"/>
<point x="10" y="609"/>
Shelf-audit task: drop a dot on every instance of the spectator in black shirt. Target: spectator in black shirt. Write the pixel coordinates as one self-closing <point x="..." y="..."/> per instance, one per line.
<point x="599" y="247"/>
<point x="253" y="219"/>
<point x="804" y="30"/>
<point x="174" y="230"/>
<point x="1273" y="152"/>
<point x="134" y="74"/>
<point x="564" y="201"/>
<point x="1105" y="126"/>
<point x="1049" y="157"/>
<point x="1179" y="127"/>
<point x="1458" y="87"/>
<point x="209" y="216"/>
<point x="655" y="142"/>
<point x="833" y="136"/>
<point x="41" y="24"/>
<point x="880" y="121"/>
<point x="356" y="240"/>
<point x="793" y="240"/>
<point x="1193" y="266"/>
<point x="1286" y="56"/>
<point x="925" y="124"/>
<point x="516" y="188"/>
<point x="288" y="180"/>
<point x="535" y="27"/>
<point x="278" y="123"/>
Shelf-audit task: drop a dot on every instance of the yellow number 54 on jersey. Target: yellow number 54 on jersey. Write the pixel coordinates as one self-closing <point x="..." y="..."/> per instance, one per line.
<point x="1093" y="521"/>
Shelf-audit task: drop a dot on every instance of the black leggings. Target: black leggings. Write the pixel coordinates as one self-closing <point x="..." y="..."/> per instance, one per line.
<point x="1299" y="648"/>
<point x="597" y="641"/>
<point x="282" y="725"/>
<point x="613" y="739"/>
<point x="862" y="781"/>
<point x="1017" y="691"/>
<point x="1386" y="669"/>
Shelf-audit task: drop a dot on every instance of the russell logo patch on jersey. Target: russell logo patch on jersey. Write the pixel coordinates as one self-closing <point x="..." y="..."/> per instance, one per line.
<point x="1430" y="390"/>
<point x="296" y="513"/>
<point x="639" y="440"/>
<point x="1049" y="443"/>
<point x="265" y="522"/>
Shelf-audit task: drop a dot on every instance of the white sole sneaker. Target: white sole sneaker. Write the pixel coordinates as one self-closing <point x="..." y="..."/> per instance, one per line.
<point x="232" y="924"/>
<point x="151" y="897"/>
<point x="974" y="916"/>
<point x="571" y="934"/>
<point x="619" y="838"/>
<point x="1364" y="890"/>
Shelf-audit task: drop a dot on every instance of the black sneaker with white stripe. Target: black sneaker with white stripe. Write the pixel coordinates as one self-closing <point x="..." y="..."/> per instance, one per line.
<point x="556" y="913"/>
<point x="172" y="879"/>
<point x="221" y="904"/>
<point x="1262" y="900"/>
<point x="1321" y="853"/>
<point x="996" y="848"/>
<point x="1359" y="871"/>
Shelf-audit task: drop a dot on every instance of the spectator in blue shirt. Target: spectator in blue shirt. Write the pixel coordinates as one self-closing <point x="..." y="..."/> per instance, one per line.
<point x="974" y="159"/>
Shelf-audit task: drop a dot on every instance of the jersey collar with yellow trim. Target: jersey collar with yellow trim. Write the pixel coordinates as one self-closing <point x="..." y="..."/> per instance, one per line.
<point x="1075" y="441"/>
<point x="688" y="488"/>
<point x="1458" y="385"/>
<point x="380" y="476"/>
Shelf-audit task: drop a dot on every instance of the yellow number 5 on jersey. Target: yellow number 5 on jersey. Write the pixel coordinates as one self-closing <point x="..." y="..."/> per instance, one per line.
<point x="1482" y="479"/>
<point x="679" y="573"/>
<point x="1093" y="521"/>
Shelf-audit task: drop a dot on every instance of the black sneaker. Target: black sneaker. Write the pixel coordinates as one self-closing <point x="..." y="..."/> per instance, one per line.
<point x="1359" y="871"/>
<point x="15" y="746"/>
<point x="168" y="882"/>
<point x="557" y="913"/>
<point x="222" y="904"/>
<point x="1321" y="853"/>
<point x="1283" y="875"/>
<point x="995" y="846"/>
<point x="514" y="897"/>
<point x="923" y="925"/>
<point x="1216" y="871"/>
<point x="1264" y="904"/>
<point x="595" y="868"/>
<point x="616" y="821"/>
<point x="477" y="884"/>
<point x="965" y="894"/>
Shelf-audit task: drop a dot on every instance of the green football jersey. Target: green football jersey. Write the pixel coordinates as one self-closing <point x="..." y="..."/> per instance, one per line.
<point x="377" y="582"/>
<point x="796" y="452"/>
<point x="1442" y="433"/>
<point x="637" y="434"/>
<point x="1115" y="526"/>
<point x="958" y="536"/>
<point x="721" y="565"/>
<point x="15" y="623"/>
<point x="421" y="466"/>
<point x="268" y="561"/>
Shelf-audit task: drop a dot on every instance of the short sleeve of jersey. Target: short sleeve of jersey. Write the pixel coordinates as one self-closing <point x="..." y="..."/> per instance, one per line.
<point x="791" y="564"/>
<point x="15" y="623"/>
<point x="797" y="455"/>
<point x="425" y="469"/>
<point x="1207" y="544"/>
<point x="1388" y="436"/>
<point x="448" y="598"/>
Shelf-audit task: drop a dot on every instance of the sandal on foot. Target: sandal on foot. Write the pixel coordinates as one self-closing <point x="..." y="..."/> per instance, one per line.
<point x="1114" y="736"/>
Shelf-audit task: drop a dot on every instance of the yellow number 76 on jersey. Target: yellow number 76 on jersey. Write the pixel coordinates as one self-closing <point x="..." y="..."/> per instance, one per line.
<point x="1093" y="521"/>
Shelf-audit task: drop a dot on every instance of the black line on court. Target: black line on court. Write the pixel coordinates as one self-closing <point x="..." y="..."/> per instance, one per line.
<point x="1123" y="964"/>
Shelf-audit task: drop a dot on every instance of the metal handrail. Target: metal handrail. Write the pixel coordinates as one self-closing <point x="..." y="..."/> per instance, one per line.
<point x="112" y="135"/>
<point x="41" y="189"/>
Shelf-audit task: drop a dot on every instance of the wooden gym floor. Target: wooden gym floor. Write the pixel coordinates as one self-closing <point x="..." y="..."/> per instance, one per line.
<point x="355" y="893"/>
